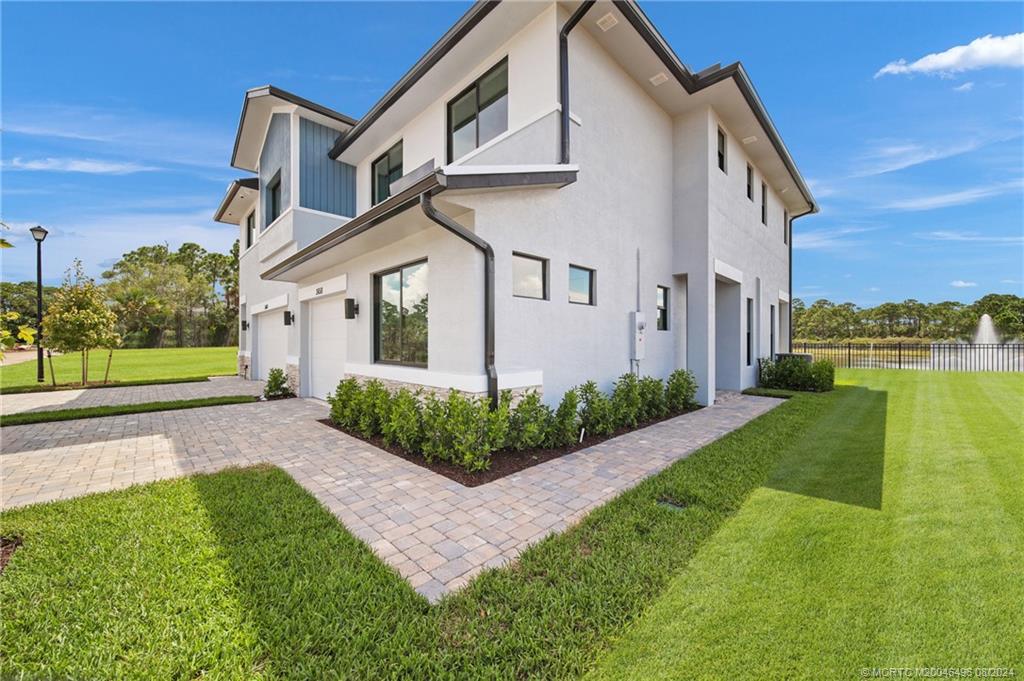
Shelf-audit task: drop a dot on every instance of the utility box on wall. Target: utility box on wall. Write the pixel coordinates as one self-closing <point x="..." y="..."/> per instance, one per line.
<point x="638" y="324"/>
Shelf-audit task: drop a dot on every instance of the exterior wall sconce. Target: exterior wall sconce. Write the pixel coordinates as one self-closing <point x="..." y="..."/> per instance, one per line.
<point x="351" y="308"/>
<point x="288" y="317"/>
<point x="245" y="325"/>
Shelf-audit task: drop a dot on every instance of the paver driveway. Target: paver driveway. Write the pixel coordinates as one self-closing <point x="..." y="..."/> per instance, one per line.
<point x="217" y="386"/>
<point x="434" y="531"/>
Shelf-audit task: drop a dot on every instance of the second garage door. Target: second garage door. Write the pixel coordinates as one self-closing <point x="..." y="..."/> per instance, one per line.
<point x="326" y="345"/>
<point x="271" y="343"/>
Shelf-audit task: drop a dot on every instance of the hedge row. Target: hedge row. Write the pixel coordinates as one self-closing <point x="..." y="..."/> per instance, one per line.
<point x="463" y="430"/>
<point x="795" y="373"/>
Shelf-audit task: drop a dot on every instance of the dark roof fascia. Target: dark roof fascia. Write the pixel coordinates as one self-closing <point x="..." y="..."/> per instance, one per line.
<point x="270" y="90"/>
<point x="636" y="17"/>
<point x="434" y="183"/>
<point x="246" y="182"/>
<point x="449" y="40"/>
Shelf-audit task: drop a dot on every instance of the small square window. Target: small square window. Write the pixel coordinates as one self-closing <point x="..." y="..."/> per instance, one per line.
<point x="529" y="276"/>
<point x="581" y="285"/>
<point x="662" y="308"/>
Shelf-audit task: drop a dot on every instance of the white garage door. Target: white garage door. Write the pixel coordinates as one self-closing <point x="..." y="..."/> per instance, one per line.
<point x="326" y="345"/>
<point x="271" y="343"/>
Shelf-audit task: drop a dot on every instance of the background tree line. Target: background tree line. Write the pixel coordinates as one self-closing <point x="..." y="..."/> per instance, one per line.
<point x="161" y="297"/>
<point x="911" y="319"/>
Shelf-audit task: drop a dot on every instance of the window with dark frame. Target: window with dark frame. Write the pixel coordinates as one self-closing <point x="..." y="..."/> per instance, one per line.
<point x="764" y="204"/>
<point x="750" y="182"/>
<point x="400" y="315"/>
<point x="273" y="200"/>
<point x="721" y="151"/>
<point x="772" y="336"/>
<point x="581" y="285"/>
<point x="785" y="227"/>
<point x="529" y="276"/>
<point x="479" y="113"/>
<point x="662" y="307"/>
<point x="385" y="170"/>
<point x="750" y="331"/>
<point x="250" y="229"/>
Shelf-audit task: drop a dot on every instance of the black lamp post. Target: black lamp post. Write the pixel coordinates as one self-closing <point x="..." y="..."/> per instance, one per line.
<point x="38" y="233"/>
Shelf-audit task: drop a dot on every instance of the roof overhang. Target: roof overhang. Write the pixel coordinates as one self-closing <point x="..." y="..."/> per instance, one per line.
<point x="257" y="108"/>
<point x="313" y="258"/>
<point x="239" y="197"/>
<point x="644" y="53"/>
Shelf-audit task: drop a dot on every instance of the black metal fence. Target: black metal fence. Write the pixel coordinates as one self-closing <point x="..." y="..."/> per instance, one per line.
<point x="931" y="357"/>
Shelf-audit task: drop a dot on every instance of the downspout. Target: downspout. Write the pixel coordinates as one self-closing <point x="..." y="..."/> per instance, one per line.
<point x="446" y="222"/>
<point x="563" y="72"/>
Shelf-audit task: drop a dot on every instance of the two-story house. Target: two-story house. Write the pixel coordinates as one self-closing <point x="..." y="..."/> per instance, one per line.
<point x="548" y="196"/>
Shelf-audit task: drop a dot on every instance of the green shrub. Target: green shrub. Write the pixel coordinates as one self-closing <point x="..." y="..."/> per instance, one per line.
<point x="376" y="408"/>
<point x="529" y="423"/>
<point x="626" y="401"/>
<point x="652" y="398"/>
<point x="564" y="429"/>
<point x="596" y="415"/>
<point x="434" y="443"/>
<point x="463" y="430"/>
<point x="681" y="391"/>
<point x="277" y="385"/>
<point x="795" y="373"/>
<point x="346" y="404"/>
<point x="404" y="424"/>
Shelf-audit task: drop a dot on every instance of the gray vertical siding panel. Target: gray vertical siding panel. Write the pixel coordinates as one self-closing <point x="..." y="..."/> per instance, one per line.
<point x="276" y="155"/>
<point x="324" y="185"/>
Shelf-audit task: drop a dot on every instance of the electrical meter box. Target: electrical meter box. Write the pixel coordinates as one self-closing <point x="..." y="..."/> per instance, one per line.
<point x="639" y="327"/>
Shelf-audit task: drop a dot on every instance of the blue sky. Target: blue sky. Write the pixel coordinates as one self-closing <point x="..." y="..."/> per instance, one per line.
<point x="119" y="118"/>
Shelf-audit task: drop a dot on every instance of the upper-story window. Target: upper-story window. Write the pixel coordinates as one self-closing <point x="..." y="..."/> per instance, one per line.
<point x="273" y="199"/>
<point x="250" y="229"/>
<point x="750" y="182"/>
<point x="721" y="151"/>
<point x="785" y="227"/>
<point x="529" y="276"/>
<point x="764" y="204"/>
<point x="582" y="287"/>
<point x="386" y="169"/>
<point x="662" y="308"/>
<point x="479" y="113"/>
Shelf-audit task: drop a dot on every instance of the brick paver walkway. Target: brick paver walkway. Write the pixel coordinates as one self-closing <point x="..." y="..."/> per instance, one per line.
<point x="434" y="531"/>
<point x="218" y="386"/>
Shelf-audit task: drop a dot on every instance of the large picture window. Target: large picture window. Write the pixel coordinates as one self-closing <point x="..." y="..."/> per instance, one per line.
<point x="479" y="113"/>
<point x="400" y="315"/>
<point x="386" y="169"/>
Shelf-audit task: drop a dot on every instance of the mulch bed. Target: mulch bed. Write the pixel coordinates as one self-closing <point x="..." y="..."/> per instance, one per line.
<point x="8" y="545"/>
<point x="503" y="463"/>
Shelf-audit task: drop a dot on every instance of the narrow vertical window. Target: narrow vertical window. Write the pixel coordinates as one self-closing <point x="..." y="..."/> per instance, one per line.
<point x="721" y="151"/>
<point x="662" y="308"/>
<point x="400" y="315"/>
<point x="250" y="229"/>
<point x="581" y="285"/>
<point x="273" y="203"/>
<point x="764" y="204"/>
<point x="772" y="339"/>
<point x="785" y="227"/>
<point x="386" y="169"/>
<point x="750" y="331"/>
<point x="750" y="182"/>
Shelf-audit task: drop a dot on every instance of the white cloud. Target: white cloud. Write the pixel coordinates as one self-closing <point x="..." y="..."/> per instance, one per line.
<point x="835" y="238"/>
<point x="873" y="289"/>
<point x="961" y="236"/>
<point x="957" y="198"/>
<point x="960" y="283"/>
<point x="889" y="157"/>
<point x="1010" y="281"/>
<point x="966" y="87"/>
<point x="77" y="165"/>
<point x="984" y="52"/>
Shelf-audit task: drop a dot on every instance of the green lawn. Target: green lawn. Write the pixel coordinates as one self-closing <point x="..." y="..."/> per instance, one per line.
<point x="22" y="418"/>
<point x="822" y="570"/>
<point x="129" y="365"/>
<point x="826" y="570"/>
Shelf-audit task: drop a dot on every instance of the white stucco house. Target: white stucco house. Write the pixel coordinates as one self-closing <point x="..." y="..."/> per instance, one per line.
<point x="548" y="196"/>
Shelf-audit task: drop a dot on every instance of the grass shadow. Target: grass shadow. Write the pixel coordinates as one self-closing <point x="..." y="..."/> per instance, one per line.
<point x="841" y="457"/>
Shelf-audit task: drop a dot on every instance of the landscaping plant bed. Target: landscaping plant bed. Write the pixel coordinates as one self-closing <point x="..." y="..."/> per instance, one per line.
<point x="504" y="462"/>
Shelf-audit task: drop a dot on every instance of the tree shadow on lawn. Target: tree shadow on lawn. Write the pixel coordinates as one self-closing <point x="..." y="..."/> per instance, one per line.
<point x="842" y="456"/>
